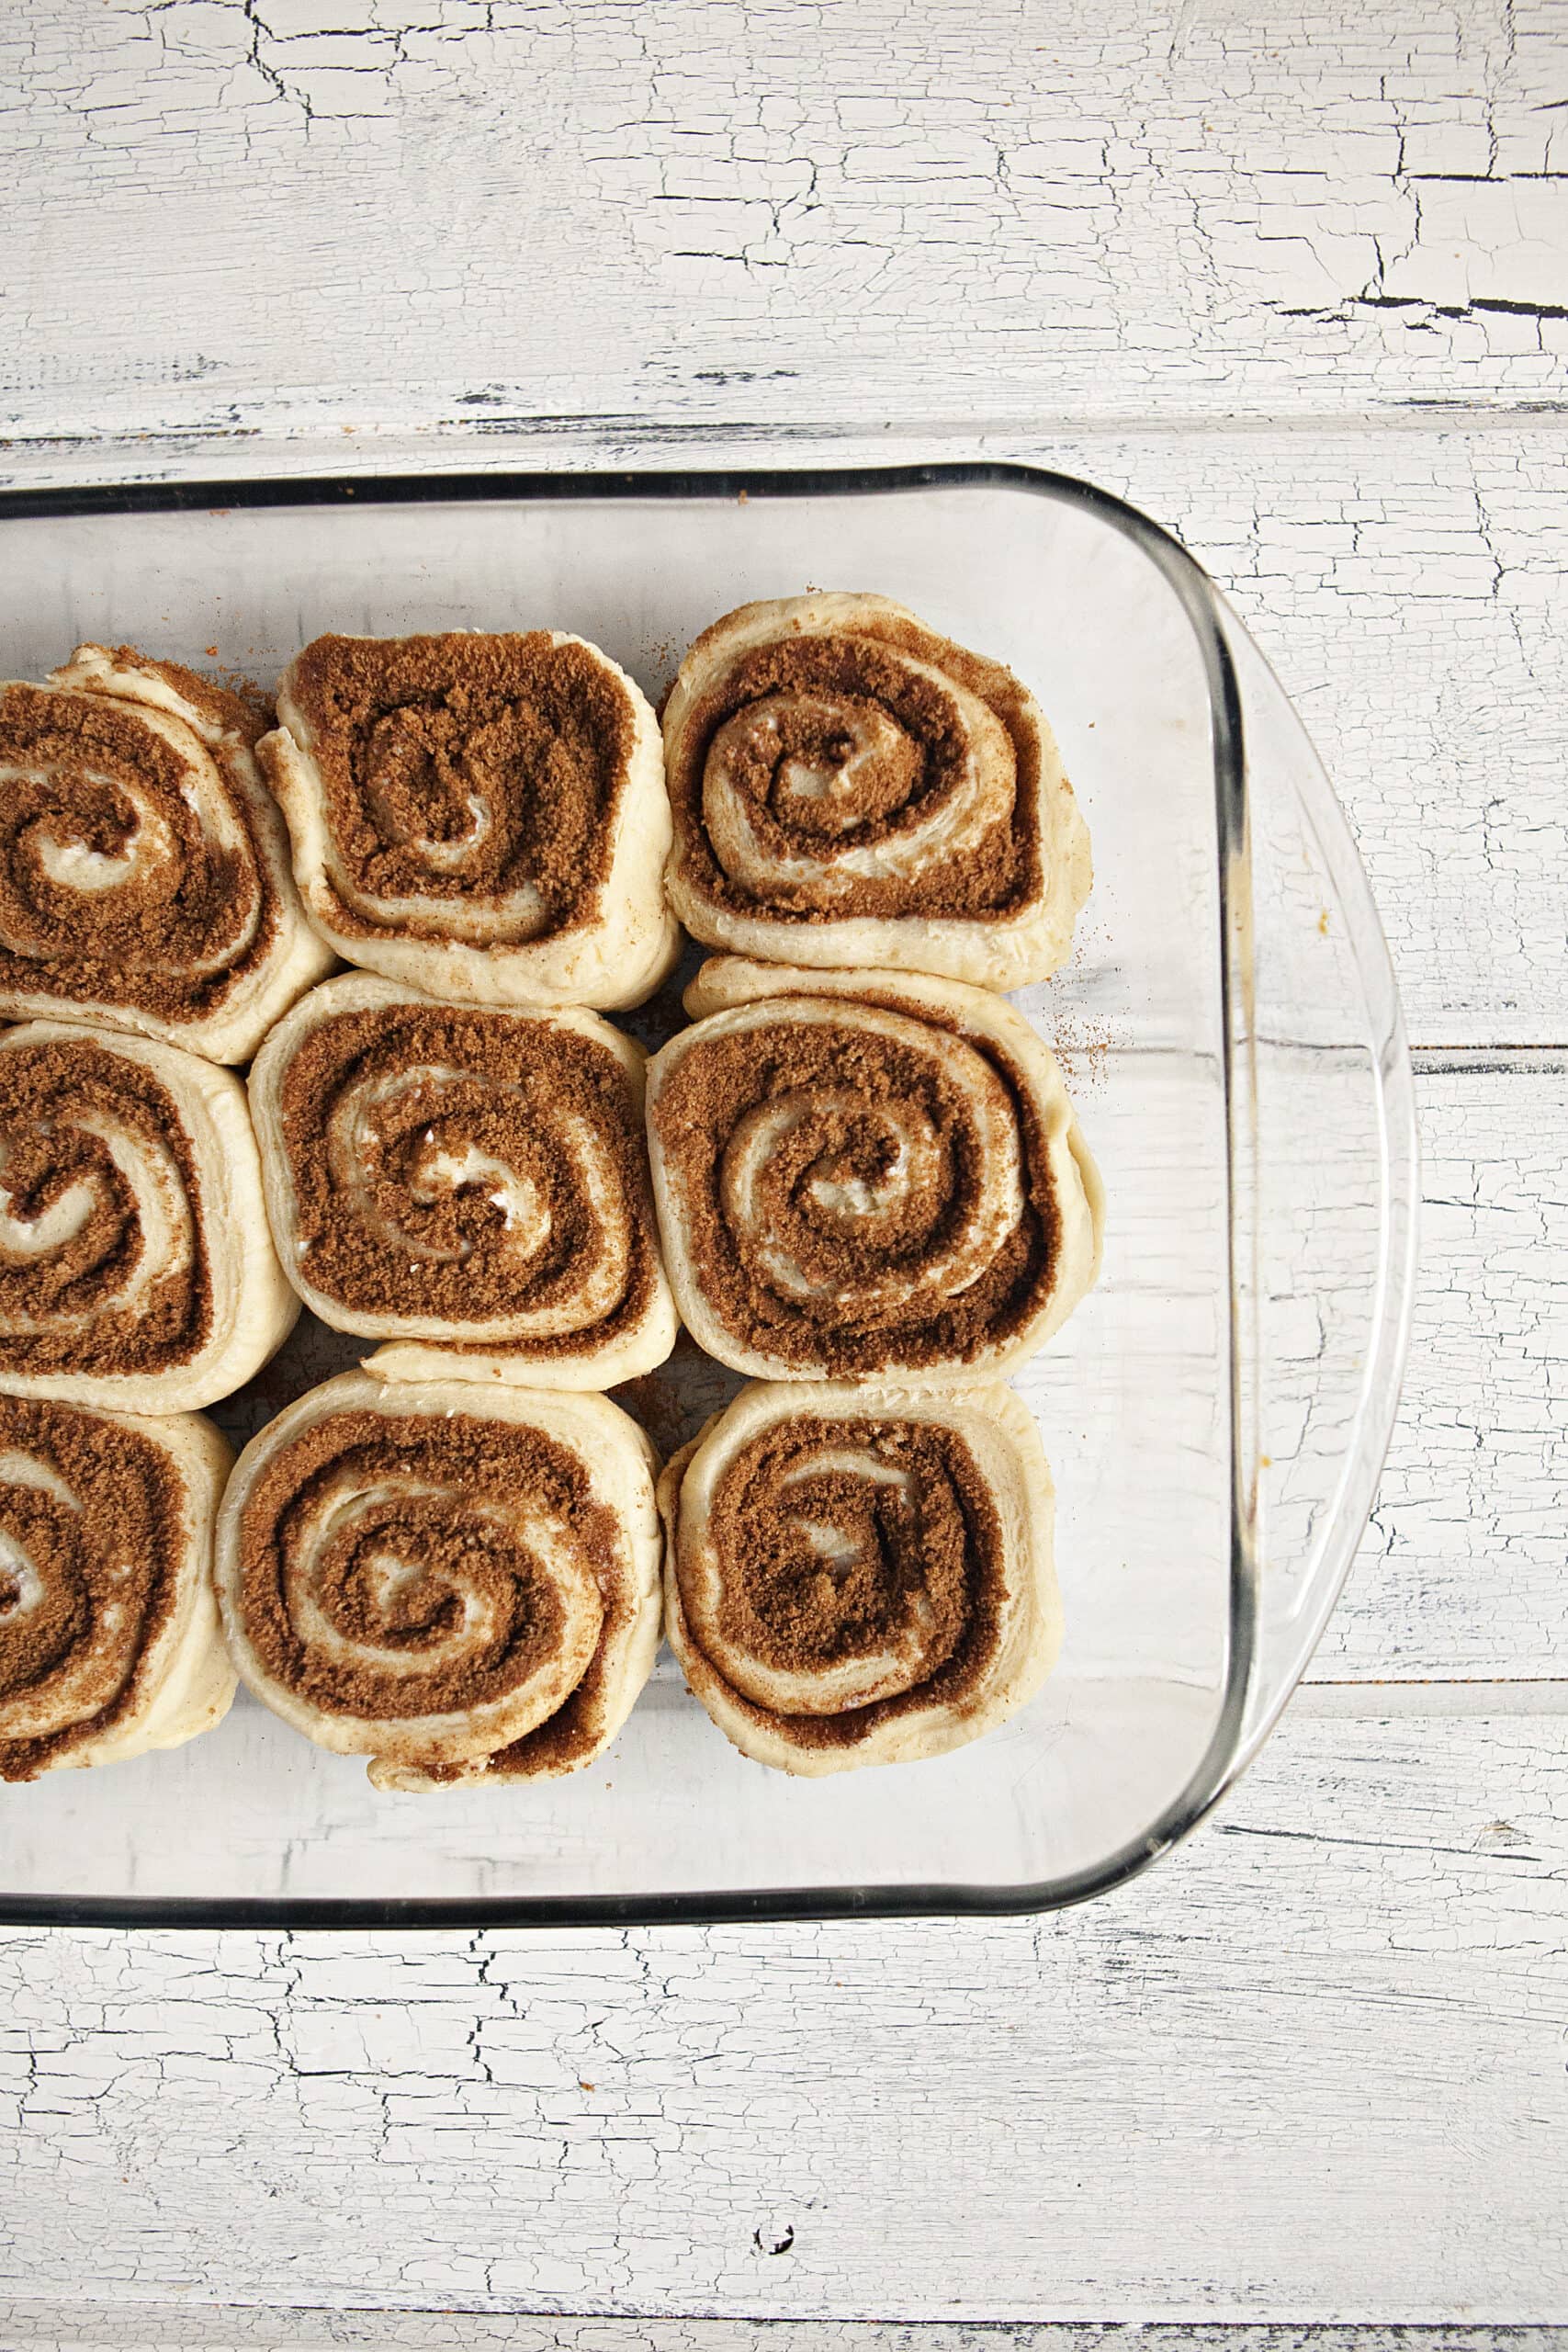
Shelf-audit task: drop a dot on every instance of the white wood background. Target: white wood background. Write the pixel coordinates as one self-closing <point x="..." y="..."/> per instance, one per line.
<point x="1297" y="280"/>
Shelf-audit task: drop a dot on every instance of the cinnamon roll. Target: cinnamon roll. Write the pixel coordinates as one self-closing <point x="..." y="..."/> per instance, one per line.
<point x="110" y="1639"/>
<point x="860" y="1575"/>
<point x="877" y="1176"/>
<point x="469" y="1184"/>
<point x="483" y="817"/>
<point x="144" y="875"/>
<point x="136" y="1269"/>
<point x="851" y="789"/>
<point x="459" y="1583"/>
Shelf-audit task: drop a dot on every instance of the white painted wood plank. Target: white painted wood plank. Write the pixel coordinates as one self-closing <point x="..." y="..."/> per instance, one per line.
<point x="1410" y="587"/>
<point x="1311" y="2067"/>
<point x="1461" y="1573"/>
<point x="177" y="2328"/>
<point x="344" y="209"/>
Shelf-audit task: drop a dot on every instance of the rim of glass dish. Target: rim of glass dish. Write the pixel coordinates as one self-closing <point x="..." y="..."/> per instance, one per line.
<point x="1227" y="1754"/>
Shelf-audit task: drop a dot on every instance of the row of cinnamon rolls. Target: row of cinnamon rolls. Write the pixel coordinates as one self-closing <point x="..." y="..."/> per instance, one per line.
<point x="886" y="1185"/>
<point x="497" y="818"/>
<point x="470" y="1587"/>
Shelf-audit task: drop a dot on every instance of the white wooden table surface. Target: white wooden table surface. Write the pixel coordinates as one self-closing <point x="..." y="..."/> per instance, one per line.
<point x="1297" y="280"/>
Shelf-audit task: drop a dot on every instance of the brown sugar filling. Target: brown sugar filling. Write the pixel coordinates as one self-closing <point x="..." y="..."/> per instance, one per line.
<point x="572" y="1733"/>
<point x="469" y="1537"/>
<point x="408" y="733"/>
<point x="995" y="876"/>
<point x="924" y="1568"/>
<point x="703" y="1103"/>
<point x="441" y="1252"/>
<point x="119" y="1551"/>
<point x="48" y="1092"/>
<point x="190" y="921"/>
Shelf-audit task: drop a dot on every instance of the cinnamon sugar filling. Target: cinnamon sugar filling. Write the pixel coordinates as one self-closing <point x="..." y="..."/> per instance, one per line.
<point x="459" y="1166"/>
<point x="374" y="1534"/>
<point x="92" y="1525"/>
<point x="468" y="768"/>
<point x="93" y="1278"/>
<point x="863" y="1205"/>
<point x="838" y="1539"/>
<point x="831" y="744"/>
<point x="112" y="889"/>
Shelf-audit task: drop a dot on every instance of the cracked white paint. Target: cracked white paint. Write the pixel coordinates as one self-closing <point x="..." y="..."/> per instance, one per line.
<point x="168" y="2328"/>
<point x="405" y="211"/>
<point x="1313" y="2068"/>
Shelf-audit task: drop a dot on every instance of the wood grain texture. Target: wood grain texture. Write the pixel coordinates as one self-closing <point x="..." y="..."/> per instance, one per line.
<point x="1312" y="2067"/>
<point x="940" y="211"/>
<point x="180" y="2327"/>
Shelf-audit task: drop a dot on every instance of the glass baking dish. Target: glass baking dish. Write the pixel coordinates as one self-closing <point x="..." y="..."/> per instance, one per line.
<point x="1217" y="1413"/>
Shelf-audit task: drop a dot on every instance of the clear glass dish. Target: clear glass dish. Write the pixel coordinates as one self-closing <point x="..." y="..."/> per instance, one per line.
<point x="1215" y="1414"/>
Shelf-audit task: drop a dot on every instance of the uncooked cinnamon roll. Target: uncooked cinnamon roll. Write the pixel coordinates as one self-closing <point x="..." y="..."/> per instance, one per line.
<point x="878" y="1177"/>
<point x="459" y="1583"/>
<point x="850" y="789"/>
<point x="860" y="1575"/>
<point x="110" y="1639"/>
<point x="469" y="1184"/>
<point x="145" y="876"/>
<point x="483" y="817"/>
<point x="136" y="1268"/>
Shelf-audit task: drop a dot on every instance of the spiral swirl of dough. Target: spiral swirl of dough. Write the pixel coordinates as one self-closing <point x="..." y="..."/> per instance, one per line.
<point x="135" y="1266"/>
<point x="849" y="787"/>
<point x="145" y="876"/>
<point x="859" y="1575"/>
<point x="110" y="1640"/>
<point x="483" y="817"/>
<point x="429" y="1574"/>
<point x="469" y="1184"/>
<point x="885" y="1185"/>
